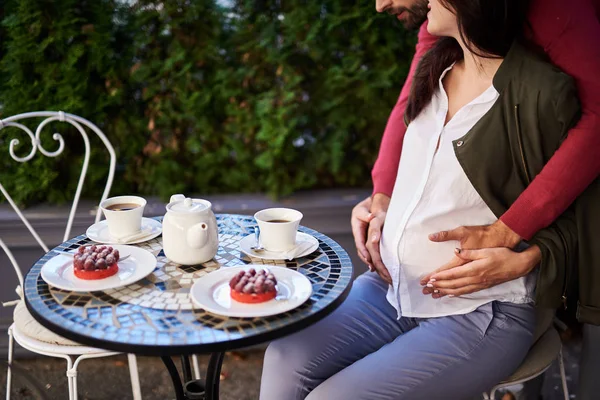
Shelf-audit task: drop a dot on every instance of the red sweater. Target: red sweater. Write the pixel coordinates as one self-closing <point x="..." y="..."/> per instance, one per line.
<point x="569" y="33"/>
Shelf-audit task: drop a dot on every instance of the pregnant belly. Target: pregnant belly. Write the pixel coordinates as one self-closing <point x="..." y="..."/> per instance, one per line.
<point x="420" y="256"/>
<point x="420" y="260"/>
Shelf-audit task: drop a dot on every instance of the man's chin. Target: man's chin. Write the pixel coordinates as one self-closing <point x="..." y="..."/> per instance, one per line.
<point x="410" y="21"/>
<point x="415" y="17"/>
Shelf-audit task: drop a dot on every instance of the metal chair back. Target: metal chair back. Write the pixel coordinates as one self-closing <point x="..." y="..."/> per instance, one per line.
<point x="50" y="116"/>
<point x="79" y="123"/>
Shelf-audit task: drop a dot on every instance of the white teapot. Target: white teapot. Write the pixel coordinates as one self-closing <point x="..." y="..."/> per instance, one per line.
<point x="190" y="234"/>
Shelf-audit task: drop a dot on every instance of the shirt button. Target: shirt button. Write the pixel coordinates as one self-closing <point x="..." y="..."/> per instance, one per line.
<point x="459" y="143"/>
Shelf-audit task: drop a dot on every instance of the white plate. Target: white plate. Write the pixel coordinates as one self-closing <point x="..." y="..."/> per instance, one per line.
<point x="58" y="272"/>
<point x="249" y="241"/>
<point x="212" y="293"/>
<point x="99" y="232"/>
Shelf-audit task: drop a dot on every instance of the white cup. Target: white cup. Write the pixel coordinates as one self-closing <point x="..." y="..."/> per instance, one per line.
<point x="124" y="222"/>
<point x="278" y="236"/>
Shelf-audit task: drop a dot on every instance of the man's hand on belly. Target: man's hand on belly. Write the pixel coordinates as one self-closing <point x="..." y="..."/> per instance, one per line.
<point x="361" y="216"/>
<point x="367" y="221"/>
<point x="373" y="242"/>
<point x="480" y="237"/>
<point x="480" y="269"/>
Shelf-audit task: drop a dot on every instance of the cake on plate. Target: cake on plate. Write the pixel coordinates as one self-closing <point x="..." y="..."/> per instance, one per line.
<point x="95" y="262"/>
<point x="253" y="287"/>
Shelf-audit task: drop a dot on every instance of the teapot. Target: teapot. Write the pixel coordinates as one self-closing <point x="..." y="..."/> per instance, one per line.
<point x="190" y="234"/>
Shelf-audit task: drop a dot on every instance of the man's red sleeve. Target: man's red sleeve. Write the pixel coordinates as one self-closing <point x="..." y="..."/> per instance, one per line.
<point x="570" y="35"/>
<point x="386" y="167"/>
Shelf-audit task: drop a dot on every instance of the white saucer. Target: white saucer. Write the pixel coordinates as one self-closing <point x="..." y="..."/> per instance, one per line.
<point x="249" y="241"/>
<point x="99" y="232"/>
<point x="212" y="293"/>
<point x="58" y="272"/>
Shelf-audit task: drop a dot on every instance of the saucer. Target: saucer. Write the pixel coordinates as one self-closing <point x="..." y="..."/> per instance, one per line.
<point x="99" y="232"/>
<point x="58" y="271"/>
<point x="212" y="293"/>
<point x="249" y="241"/>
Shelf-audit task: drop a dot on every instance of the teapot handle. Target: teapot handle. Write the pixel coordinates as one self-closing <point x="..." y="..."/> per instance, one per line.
<point x="197" y="235"/>
<point x="176" y="197"/>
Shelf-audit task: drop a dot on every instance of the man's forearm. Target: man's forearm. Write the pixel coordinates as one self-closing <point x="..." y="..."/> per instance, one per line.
<point x="569" y="37"/>
<point x="386" y="167"/>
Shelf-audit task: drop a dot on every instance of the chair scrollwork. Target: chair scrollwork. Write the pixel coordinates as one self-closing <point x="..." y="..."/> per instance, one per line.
<point x="36" y="145"/>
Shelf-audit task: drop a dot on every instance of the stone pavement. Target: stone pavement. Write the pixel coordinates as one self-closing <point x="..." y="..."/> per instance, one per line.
<point x="44" y="378"/>
<point x="108" y="378"/>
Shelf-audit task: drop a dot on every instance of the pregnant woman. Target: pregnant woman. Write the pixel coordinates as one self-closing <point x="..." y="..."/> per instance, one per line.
<point x="484" y="116"/>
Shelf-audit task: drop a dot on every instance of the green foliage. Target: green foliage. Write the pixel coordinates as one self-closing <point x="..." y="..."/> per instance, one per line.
<point x="197" y="97"/>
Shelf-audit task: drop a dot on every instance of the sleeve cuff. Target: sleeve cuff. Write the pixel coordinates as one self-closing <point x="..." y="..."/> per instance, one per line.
<point x="382" y="187"/>
<point x="523" y="218"/>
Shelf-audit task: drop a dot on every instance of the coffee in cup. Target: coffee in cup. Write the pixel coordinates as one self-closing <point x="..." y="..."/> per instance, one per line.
<point x="278" y="228"/>
<point x="123" y="215"/>
<point x="123" y="207"/>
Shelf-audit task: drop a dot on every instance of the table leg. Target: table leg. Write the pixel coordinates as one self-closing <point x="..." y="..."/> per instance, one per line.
<point x="196" y="388"/>
<point x="187" y="369"/>
<point x="213" y="376"/>
<point x="174" y="377"/>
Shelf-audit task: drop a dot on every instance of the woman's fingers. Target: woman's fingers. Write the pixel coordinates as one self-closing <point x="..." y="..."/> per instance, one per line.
<point x="455" y="283"/>
<point x="466" y="269"/>
<point x="458" y="292"/>
<point x="454" y="263"/>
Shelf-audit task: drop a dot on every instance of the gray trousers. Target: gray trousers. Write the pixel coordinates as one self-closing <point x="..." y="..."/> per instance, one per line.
<point x="362" y="351"/>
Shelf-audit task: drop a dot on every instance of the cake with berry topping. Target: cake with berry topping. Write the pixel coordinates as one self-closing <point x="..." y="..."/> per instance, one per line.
<point x="95" y="262"/>
<point x="253" y="287"/>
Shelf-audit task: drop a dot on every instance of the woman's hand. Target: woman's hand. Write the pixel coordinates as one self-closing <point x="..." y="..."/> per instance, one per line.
<point x="482" y="269"/>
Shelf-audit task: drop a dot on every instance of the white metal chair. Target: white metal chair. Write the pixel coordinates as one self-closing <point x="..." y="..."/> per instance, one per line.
<point x="546" y="348"/>
<point x="35" y="337"/>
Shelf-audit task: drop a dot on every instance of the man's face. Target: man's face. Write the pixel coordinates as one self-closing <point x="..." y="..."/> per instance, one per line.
<point x="412" y="13"/>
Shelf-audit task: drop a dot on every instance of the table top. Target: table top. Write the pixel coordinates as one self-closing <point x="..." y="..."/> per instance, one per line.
<point x="155" y="316"/>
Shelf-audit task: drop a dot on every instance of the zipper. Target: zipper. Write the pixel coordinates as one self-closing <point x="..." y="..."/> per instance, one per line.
<point x="566" y="275"/>
<point x="520" y="141"/>
<point x="563" y="297"/>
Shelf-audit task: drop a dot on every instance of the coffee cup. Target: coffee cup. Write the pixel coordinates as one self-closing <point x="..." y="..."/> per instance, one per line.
<point x="278" y="227"/>
<point x="123" y="215"/>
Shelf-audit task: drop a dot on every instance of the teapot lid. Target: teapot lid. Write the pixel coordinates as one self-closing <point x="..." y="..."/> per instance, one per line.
<point x="187" y="205"/>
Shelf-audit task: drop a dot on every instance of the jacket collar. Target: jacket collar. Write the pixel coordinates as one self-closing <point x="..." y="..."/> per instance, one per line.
<point x="510" y="66"/>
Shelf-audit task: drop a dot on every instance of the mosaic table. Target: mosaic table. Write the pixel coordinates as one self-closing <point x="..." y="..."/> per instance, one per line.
<point x="155" y="316"/>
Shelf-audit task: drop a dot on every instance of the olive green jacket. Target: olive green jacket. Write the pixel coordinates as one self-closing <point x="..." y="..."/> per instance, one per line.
<point x="510" y="145"/>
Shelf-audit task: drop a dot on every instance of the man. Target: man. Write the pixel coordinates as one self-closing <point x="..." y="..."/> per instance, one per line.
<point x="568" y="35"/>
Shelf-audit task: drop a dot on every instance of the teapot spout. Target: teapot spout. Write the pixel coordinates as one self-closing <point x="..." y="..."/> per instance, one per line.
<point x="197" y="235"/>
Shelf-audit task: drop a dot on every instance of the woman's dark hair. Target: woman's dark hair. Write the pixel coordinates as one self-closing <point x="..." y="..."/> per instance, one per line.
<point x="487" y="27"/>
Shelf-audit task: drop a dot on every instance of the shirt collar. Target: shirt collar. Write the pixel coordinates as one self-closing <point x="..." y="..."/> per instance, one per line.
<point x="490" y="94"/>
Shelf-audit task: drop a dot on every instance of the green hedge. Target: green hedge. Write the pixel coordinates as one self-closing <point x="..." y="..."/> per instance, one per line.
<point x="197" y="96"/>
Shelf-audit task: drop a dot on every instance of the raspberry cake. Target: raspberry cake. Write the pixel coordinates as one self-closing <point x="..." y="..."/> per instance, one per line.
<point x="253" y="287"/>
<point x="95" y="262"/>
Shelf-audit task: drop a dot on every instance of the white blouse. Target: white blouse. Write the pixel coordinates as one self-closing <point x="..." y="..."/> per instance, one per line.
<point x="431" y="194"/>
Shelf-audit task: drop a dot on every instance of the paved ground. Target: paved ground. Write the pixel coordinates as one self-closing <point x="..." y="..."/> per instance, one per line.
<point x="109" y="378"/>
<point x="44" y="378"/>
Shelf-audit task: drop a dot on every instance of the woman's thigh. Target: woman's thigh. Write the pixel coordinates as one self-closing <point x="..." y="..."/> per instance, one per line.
<point x="364" y="323"/>
<point x="455" y="357"/>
